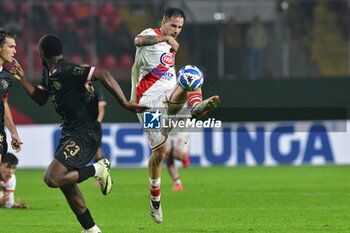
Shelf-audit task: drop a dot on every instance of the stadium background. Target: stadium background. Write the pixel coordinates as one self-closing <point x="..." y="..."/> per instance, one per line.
<point x="304" y="66"/>
<point x="294" y="112"/>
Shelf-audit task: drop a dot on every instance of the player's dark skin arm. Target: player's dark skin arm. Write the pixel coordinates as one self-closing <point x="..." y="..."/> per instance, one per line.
<point x="113" y="87"/>
<point x="39" y="96"/>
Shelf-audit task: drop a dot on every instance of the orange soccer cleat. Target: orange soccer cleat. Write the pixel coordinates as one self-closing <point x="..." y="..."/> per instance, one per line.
<point x="186" y="161"/>
<point x="178" y="187"/>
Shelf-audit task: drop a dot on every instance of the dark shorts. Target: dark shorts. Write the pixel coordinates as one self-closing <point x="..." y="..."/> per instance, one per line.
<point x="3" y="143"/>
<point x="77" y="147"/>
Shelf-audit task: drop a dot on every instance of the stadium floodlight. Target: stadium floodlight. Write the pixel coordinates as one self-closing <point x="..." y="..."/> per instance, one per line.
<point x="219" y="16"/>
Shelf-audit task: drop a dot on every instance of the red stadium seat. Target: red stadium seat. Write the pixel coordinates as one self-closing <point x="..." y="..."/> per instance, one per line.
<point x="109" y="62"/>
<point x="126" y="61"/>
<point x="75" y="59"/>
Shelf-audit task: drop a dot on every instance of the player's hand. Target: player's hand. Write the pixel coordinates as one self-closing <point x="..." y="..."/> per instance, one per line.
<point x="173" y="43"/>
<point x="135" y="107"/>
<point x="16" y="143"/>
<point x="16" y="70"/>
<point x="18" y="204"/>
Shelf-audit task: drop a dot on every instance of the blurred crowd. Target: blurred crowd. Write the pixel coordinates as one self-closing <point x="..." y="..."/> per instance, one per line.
<point x="102" y="34"/>
<point x="94" y="34"/>
<point x="316" y="33"/>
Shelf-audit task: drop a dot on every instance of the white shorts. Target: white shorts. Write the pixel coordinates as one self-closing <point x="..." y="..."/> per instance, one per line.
<point x="157" y="137"/>
<point x="178" y="141"/>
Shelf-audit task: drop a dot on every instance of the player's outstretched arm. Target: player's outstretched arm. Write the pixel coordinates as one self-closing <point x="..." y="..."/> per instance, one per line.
<point x="16" y="142"/>
<point x="39" y="96"/>
<point x="113" y="87"/>
<point x="151" y="40"/>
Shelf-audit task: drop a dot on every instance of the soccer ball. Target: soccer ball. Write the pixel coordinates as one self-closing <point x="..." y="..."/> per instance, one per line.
<point x="190" y="78"/>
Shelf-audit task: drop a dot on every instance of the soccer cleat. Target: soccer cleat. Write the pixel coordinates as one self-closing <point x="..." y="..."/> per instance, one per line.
<point x="105" y="178"/>
<point x="202" y="108"/>
<point x="97" y="183"/>
<point x="156" y="211"/>
<point x="186" y="161"/>
<point x="178" y="187"/>
<point x="93" y="229"/>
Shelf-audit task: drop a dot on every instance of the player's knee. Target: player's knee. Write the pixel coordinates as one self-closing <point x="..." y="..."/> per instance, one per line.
<point x="158" y="156"/>
<point x="52" y="181"/>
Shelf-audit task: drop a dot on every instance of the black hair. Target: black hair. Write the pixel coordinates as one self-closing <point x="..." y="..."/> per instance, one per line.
<point x="51" y="45"/>
<point x="4" y="34"/>
<point x="173" y="12"/>
<point x="10" y="159"/>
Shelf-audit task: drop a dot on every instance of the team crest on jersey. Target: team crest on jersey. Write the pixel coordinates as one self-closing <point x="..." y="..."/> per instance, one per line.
<point x="78" y="70"/>
<point x="4" y="84"/>
<point x="167" y="59"/>
<point x="57" y="85"/>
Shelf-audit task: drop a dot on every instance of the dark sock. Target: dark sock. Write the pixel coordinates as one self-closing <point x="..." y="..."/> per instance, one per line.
<point x="86" y="220"/>
<point x="86" y="173"/>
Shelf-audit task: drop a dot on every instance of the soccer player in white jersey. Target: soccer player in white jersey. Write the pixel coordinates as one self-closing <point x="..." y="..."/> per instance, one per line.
<point x="154" y="84"/>
<point x="8" y="182"/>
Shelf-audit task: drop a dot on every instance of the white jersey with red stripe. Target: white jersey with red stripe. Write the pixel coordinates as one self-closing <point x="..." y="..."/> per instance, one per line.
<point x="9" y="188"/>
<point x="153" y="73"/>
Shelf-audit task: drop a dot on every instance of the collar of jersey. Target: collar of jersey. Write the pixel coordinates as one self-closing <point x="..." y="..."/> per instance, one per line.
<point x="55" y="70"/>
<point x="157" y="30"/>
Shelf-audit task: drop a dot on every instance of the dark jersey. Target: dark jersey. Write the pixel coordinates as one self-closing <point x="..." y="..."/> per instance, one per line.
<point x="5" y="83"/>
<point x="73" y="98"/>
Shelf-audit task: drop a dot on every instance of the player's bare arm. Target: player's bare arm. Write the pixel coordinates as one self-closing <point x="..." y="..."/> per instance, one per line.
<point x="113" y="87"/>
<point x="151" y="40"/>
<point x="39" y="96"/>
<point x="16" y="142"/>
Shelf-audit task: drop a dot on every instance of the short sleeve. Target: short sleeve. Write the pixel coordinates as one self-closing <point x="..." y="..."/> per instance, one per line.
<point x="146" y="32"/>
<point x="79" y="74"/>
<point x="10" y="191"/>
<point x="5" y="95"/>
<point x="11" y="184"/>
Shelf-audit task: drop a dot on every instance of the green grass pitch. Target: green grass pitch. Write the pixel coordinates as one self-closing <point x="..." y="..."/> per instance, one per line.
<point x="218" y="199"/>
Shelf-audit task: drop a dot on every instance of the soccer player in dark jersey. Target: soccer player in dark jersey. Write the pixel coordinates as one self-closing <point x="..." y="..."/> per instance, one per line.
<point x="7" y="51"/>
<point x="67" y="85"/>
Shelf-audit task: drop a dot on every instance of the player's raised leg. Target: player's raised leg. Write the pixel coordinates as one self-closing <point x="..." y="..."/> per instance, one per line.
<point x="190" y="79"/>
<point x="58" y="175"/>
<point x="195" y="100"/>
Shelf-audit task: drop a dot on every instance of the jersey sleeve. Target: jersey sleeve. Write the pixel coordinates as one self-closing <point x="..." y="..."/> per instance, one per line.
<point x="147" y="32"/>
<point x="5" y="95"/>
<point x="10" y="191"/>
<point x="79" y="74"/>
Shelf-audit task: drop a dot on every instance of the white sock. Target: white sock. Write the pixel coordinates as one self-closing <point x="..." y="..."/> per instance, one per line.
<point x="155" y="189"/>
<point x="154" y="181"/>
<point x="94" y="228"/>
<point x="178" y="181"/>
